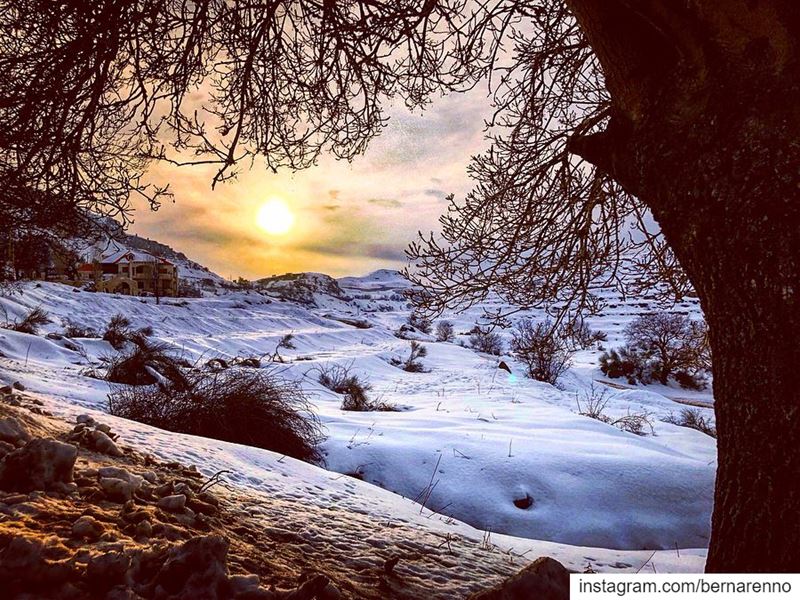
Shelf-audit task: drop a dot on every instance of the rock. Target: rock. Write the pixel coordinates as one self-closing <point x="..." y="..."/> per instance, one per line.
<point x="196" y="569"/>
<point x="24" y="562"/>
<point x="202" y="507"/>
<point x="6" y="390"/>
<point x="102" y="443"/>
<point x="13" y="432"/>
<point x="104" y="428"/>
<point x="5" y="448"/>
<point x="545" y="578"/>
<point x="116" y="489"/>
<point x="18" y="386"/>
<point x="150" y="477"/>
<point x="119" y="473"/>
<point x="243" y="583"/>
<point x="208" y="498"/>
<point x="174" y="503"/>
<point x="41" y="464"/>
<point x="144" y="529"/>
<point x="107" y="570"/>
<point x="87" y="527"/>
<point x="164" y="490"/>
<point x="85" y="419"/>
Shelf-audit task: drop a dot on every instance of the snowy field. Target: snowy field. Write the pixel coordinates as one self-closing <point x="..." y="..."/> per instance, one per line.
<point x="471" y="439"/>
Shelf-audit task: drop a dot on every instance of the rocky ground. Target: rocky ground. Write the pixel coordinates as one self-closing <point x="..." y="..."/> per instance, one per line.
<point x="82" y="515"/>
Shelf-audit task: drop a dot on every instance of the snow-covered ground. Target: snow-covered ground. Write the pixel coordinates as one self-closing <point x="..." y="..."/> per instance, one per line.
<point x="471" y="439"/>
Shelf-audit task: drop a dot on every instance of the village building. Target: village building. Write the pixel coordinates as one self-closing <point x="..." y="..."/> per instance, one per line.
<point x="131" y="272"/>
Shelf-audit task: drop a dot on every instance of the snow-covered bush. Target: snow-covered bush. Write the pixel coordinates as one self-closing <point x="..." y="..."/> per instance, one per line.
<point x="31" y="322"/>
<point x="445" y="331"/>
<point x="543" y="349"/>
<point x="486" y="341"/>
<point x="660" y="346"/>
<point x="244" y="406"/>
<point x="693" y="419"/>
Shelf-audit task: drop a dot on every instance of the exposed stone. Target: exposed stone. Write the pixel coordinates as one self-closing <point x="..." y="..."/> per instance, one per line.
<point x="119" y="473"/>
<point x="202" y="507"/>
<point x="18" y="386"/>
<point x="86" y="419"/>
<point x="117" y="489"/>
<point x="13" y="432"/>
<point x="102" y="443"/>
<point x="87" y="527"/>
<point x="107" y="570"/>
<point x="196" y="569"/>
<point x="544" y="578"/>
<point x="41" y="464"/>
<point x="174" y="503"/>
<point x="144" y="529"/>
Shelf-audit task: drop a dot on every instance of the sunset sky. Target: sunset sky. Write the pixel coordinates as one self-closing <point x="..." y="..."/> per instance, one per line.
<point x="349" y="219"/>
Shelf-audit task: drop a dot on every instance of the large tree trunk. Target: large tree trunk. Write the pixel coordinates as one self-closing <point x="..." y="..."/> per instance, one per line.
<point x="705" y="130"/>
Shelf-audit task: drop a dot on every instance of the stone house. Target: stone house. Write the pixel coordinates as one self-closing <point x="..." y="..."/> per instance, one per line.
<point x="132" y="272"/>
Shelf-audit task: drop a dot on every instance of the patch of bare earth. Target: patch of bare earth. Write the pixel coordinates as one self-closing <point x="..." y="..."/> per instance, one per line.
<point x="84" y="516"/>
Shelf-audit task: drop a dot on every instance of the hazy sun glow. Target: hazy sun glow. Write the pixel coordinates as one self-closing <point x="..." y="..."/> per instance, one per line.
<point x="274" y="217"/>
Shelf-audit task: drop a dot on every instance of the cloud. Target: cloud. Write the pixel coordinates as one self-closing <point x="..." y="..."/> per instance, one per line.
<point x="385" y="202"/>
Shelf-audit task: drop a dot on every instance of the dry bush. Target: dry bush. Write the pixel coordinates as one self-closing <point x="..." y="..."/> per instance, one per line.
<point x="693" y="419"/>
<point x="420" y="322"/>
<point x="145" y="364"/>
<point x="255" y="408"/>
<point x="119" y="332"/>
<point x="543" y="349"/>
<point x="445" y="331"/>
<point x="583" y="337"/>
<point x="484" y="340"/>
<point x="595" y="401"/>
<point x="412" y="364"/>
<point x="340" y="379"/>
<point x="31" y="322"/>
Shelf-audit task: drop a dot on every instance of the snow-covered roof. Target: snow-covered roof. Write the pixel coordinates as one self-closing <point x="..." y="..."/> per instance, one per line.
<point x="127" y="255"/>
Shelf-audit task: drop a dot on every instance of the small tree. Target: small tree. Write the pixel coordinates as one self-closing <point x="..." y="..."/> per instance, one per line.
<point x="445" y="331"/>
<point x="669" y="345"/>
<point x="543" y="349"/>
<point x="412" y="364"/>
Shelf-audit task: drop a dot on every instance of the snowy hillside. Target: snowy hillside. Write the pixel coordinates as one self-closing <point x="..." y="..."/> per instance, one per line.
<point x="492" y="455"/>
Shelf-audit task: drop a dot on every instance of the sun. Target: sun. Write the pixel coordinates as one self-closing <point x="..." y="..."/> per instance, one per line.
<point x="274" y="217"/>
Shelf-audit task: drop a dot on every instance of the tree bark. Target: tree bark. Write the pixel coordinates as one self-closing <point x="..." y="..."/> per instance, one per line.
<point x="707" y="135"/>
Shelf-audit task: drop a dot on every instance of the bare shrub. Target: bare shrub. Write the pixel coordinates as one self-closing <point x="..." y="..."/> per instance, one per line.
<point x="340" y="379"/>
<point x="420" y="322"/>
<point x="622" y="362"/>
<point x="542" y="348"/>
<point x="31" y="322"/>
<point x="595" y="401"/>
<point x="412" y="364"/>
<point x="146" y="364"/>
<point x="244" y="406"/>
<point x="445" y="331"/>
<point x="693" y="419"/>
<point x="485" y="340"/>
<point x="119" y="332"/>
<point x="287" y="341"/>
<point x="583" y="337"/>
